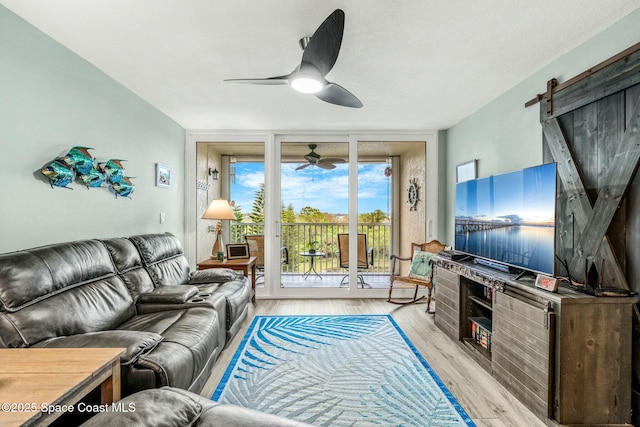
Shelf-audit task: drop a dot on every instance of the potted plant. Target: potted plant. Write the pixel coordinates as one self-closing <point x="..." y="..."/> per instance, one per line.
<point x="313" y="246"/>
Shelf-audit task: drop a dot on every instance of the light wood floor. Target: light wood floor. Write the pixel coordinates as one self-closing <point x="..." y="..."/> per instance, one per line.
<point x="486" y="401"/>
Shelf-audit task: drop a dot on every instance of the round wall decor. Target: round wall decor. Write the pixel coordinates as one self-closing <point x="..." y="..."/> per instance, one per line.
<point x="412" y="194"/>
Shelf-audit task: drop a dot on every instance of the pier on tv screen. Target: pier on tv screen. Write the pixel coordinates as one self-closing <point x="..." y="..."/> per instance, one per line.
<point x="509" y="218"/>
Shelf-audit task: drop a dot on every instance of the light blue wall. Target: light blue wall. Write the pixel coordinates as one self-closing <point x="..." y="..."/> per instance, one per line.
<point x="52" y="100"/>
<point x="504" y="136"/>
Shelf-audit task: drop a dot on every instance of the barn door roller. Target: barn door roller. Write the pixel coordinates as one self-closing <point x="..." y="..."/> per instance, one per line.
<point x="556" y="87"/>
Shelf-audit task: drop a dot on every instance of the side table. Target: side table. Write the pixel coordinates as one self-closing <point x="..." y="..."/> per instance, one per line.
<point x="243" y="265"/>
<point x="312" y="263"/>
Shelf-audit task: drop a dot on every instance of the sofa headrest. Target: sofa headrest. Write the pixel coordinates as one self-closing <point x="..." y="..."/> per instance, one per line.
<point x="29" y="276"/>
<point x="123" y="253"/>
<point x="165" y="407"/>
<point x="157" y="247"/>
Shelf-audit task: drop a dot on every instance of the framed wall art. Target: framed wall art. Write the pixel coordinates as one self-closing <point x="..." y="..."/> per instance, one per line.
<point x="163" y="175"/>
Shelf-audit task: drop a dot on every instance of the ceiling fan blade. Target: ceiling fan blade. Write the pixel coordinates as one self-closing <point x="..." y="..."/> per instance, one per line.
<point x="279" y="80"/>
<point x="324" y="46"/>
<point x="326" y="165"/>
<point x="336" y="94"/>
<point x="303" y="166"/>
<point x="332" y="160"/>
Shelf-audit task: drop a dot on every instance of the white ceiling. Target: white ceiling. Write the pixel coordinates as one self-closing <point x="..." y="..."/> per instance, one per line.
<point x="415" y="64"/>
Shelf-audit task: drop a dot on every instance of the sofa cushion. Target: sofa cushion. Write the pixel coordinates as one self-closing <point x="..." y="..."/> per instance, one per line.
<point x="96" y="306"/>
<point x="157" y="247"/>
<point x="163" y="258"/>
<point x="156" y="322"/>
<point x="190" y="337"/>
<point x="136" y="343"/>
<point x="237" y="294"/>
<point x="27" y="277"/>
<point x="128" y="263"/>
<point x="124" y="254"/>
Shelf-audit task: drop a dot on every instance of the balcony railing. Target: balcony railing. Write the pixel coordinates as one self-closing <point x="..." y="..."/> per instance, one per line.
<point x="297" y="236"/>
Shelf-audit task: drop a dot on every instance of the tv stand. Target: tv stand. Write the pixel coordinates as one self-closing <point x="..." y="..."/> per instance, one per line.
<point x="565" y="355"/>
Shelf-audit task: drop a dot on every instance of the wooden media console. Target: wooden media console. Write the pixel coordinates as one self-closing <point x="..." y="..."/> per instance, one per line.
<point x="565" y="355"/>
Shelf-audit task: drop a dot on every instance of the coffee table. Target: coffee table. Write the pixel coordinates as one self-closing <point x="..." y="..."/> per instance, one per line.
<point x="243" y="264"/>
<point x="38" y="385"/>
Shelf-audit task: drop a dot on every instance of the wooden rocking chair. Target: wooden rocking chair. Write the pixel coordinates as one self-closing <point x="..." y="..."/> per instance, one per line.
<point x="412" y="280"/>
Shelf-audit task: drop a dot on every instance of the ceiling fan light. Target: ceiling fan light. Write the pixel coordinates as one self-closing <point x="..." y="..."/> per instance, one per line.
<point x="306" y="85"/>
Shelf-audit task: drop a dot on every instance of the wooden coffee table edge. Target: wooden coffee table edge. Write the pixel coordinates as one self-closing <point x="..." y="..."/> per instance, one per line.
<point x="107" y="377"/>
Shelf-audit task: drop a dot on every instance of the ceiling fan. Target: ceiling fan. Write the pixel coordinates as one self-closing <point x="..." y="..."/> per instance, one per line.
<point x="320" y="52"/>
<point x="315" y="159"/>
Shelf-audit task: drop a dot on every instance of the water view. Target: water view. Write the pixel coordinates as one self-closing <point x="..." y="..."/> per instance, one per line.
<point x="529" y="247"/>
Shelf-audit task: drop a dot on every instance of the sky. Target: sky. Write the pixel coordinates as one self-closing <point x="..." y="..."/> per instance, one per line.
<point x="326" y="190"/>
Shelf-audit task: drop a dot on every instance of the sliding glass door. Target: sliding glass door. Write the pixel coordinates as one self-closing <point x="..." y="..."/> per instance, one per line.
<point x="314" y="195"/>
<point x="336" y="211"/>
<point x="233" y="171"/>
<point x="322" y="212"/>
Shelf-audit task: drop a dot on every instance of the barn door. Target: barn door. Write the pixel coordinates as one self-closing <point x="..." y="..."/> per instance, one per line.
<point x="591" y="128"/>
<point x="597" y="148"/>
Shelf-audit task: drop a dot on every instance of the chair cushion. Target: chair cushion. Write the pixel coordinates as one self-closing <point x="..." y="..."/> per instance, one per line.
<point x="421" y="266"/>
<point x="253" y="246"/>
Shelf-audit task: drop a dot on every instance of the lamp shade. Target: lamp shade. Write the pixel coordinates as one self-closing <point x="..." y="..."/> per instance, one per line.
<point x="219" y="209"/>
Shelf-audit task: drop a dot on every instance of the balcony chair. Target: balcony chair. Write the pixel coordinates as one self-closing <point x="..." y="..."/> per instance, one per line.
<point x="365" y="256"/>
<point x="256" y="249"/>
<point x="420" y="272"/>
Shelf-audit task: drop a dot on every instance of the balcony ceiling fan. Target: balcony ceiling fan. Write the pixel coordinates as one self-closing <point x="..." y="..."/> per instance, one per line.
<point x="320" y="52"/>
<point x="315" y="159"/>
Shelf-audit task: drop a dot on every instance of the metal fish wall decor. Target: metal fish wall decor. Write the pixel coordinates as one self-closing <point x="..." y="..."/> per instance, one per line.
<point x="124" y="187"/>
<point x="80" y="159"/>
<point x="113" y="170"/>
<point x="94" y="178"/>
<point x="58" y="173"/>
<point x="79" y="163"/>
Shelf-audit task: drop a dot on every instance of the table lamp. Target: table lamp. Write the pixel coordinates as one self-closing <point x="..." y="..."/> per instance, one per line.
<point x="218" y="209"/>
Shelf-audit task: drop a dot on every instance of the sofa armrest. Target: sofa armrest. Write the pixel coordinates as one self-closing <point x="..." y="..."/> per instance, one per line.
<point x="168" y="295"/>
<point x="136" y="343"/>
<point x="213" y="275"/>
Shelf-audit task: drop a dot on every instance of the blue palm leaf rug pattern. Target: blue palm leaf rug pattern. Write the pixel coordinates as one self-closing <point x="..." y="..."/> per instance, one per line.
<point x="337" y="371"/>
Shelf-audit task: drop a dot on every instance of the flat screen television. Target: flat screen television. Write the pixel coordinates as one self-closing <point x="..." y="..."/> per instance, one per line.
<point x="509" y="218"/>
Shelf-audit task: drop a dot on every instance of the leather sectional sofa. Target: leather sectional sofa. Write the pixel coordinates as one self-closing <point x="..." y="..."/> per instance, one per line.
<point x="137" y="293"/>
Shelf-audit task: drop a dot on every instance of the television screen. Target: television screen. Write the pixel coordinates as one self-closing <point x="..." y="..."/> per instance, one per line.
<point x="509" y="218"/>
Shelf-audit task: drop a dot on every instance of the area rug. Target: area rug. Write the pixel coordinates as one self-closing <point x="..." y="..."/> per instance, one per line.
<point x="337" y="371"/>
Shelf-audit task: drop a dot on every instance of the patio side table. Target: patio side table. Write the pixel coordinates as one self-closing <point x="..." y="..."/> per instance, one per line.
<point x="312" y="263"/>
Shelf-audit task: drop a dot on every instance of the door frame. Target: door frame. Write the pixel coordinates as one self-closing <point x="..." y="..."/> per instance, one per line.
<point x="271" y="140"/>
